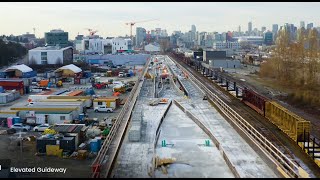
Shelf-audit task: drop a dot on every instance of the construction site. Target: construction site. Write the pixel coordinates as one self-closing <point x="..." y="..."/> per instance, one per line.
<point x="176" y="127"/>
<point x="163" y="121"/>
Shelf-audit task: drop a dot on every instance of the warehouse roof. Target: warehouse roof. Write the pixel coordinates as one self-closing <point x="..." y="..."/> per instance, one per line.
<point x="21" y="67"/>
<point x="68" y="128"/>
<point x="71" y="67"/>
<point x="50" y="48"/>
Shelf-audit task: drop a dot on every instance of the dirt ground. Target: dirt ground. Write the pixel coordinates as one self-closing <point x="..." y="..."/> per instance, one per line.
<point x="27" y="158"/>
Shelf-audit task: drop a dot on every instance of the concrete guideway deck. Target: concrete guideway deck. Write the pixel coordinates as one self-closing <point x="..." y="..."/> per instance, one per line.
<point x="247" y="162"/>
<point x="193" y="157"/>
<point x="186" y="142"/>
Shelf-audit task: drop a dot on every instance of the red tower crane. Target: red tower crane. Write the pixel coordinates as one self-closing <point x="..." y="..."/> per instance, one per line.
<point x="91" y="31"/>
<point x="133" y="23"/>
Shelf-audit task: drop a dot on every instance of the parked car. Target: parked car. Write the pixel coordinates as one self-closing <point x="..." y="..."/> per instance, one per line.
<point x="20" y="127"/>
<point x="121" y="74"/>
<point x="41" y="127"/>
<point x="103" y="109"/>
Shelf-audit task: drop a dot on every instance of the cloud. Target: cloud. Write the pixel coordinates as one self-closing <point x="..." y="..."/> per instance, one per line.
<point x="110" y="17"/>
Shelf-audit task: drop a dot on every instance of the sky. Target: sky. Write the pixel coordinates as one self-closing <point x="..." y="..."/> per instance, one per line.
<point x="109" y="18"/>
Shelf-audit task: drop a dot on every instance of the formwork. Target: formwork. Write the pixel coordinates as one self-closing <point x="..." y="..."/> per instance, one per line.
<point x="291" y="124"/>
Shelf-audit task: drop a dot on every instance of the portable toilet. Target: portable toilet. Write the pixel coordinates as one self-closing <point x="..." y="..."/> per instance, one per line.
<point x="9" y="122"/>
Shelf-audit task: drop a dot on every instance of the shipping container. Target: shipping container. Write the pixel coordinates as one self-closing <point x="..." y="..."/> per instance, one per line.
<point x="29" y="74"/>
<point x="34" y="98"/>
<point x="60" y="92"/>
<point x="75" y="93"/>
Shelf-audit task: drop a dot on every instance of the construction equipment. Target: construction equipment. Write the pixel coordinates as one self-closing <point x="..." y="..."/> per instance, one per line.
<point x="43" y="83"/>
<point x="158" y="101"/>
<point x="59" y="84"/>
<point x="91" y="31"/>
<point x="133" y="23"/>
<point x="121" y="89"/>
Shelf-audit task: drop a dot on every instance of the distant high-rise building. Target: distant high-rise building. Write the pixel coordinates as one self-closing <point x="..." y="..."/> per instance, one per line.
<point x="239" y="29"/>
<point x="228" y="36"/>
<point x="268" y="38"/>
<point x="302" y="24"/>
<point x="56" y="37"/>
<point x="140" y="36"/>
<point x="310" y="26"/>
<point x="250" y="27"/>
<point x="275" y="28"/>
<point x="263" y="28"/>
<point x="193" y="29"/>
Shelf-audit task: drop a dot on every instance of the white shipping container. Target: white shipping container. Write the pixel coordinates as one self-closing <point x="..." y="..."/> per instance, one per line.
<point x="36" y="98"/>
<point x="3" y="98"/>
<point x="83" y="81"/>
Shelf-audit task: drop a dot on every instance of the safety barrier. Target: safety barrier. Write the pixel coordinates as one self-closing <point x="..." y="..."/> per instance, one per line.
<point x="158" y="132"/>
<point x="286" y="164"/>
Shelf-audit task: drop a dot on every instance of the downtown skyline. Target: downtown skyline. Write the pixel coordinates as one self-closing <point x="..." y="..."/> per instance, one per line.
<point x="109" y="18"/>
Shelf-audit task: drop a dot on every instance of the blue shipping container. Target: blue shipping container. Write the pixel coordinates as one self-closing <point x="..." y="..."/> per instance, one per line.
<point x="16" y="120"/>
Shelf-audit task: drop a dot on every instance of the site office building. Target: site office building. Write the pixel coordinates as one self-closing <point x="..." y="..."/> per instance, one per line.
<point x="51" y="55"/>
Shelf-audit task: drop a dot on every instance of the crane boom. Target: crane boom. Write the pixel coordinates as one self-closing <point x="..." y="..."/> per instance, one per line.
<point x="133" y="23"/>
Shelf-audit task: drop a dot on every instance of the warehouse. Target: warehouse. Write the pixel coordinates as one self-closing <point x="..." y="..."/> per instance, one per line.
<point x="69" y="70"/>
<point x="19" y="71"/>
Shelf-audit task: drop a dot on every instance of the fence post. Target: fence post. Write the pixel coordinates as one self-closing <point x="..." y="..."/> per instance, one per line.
<point x="314" y="142"/>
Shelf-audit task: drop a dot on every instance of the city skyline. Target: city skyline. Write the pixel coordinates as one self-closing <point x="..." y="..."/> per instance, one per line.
<point x="109" y="18"/>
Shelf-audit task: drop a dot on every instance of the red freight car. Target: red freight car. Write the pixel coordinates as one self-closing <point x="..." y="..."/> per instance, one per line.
<point x="254" y="100"/>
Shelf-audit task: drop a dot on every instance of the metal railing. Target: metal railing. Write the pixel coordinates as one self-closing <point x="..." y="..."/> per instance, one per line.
<point x="286" y="164"/>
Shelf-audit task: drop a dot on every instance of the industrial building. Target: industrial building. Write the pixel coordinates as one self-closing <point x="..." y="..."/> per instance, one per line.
<point x="51" y="55"/>
<point x="68" y="70"/>
<point x="56" y="37"/>
<point x="226" y="45"/>
<point x="103" y="46"/>
<point x="256" y="40"/>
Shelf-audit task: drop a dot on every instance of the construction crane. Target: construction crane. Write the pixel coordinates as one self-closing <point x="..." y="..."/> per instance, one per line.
<point x="133" y="23"/>
<point x="91" y="31"/>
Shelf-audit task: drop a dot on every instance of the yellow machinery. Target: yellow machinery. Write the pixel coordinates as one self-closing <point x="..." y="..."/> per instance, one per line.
<point x="59" y="83"/>
<point x="121" y="89"/>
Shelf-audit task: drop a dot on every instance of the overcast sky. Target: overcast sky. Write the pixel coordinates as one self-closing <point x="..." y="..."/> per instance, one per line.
<point x="109" y="18"/>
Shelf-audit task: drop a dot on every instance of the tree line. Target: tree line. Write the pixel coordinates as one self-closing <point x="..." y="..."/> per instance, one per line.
<point x="296" y="64"/>
<point x="10" y="52"/>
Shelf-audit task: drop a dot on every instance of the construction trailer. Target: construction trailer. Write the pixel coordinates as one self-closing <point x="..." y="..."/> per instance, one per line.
<point x="47" y="114"/>
<point x="111" y="102"/>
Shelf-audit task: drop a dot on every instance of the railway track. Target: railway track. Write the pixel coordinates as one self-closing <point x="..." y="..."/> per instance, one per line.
<point x="265" y="128"/>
